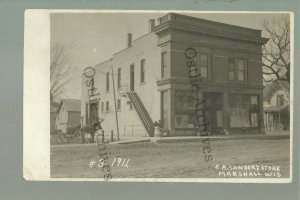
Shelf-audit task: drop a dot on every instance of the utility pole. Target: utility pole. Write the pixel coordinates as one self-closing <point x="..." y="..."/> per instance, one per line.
<point x="116" y="113"/>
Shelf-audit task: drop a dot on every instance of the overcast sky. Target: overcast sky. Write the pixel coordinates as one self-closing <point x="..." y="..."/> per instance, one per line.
<point x="92" y="38"/>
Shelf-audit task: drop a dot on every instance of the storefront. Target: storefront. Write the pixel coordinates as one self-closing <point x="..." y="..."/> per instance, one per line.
<point x="243" y="113"/>
<point x="225" y="113"/>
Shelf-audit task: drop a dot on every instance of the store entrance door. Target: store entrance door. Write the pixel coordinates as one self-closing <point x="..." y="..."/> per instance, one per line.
<point x="214" y="112"/>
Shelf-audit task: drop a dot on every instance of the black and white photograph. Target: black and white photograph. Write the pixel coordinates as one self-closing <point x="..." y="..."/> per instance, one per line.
<point x="168" y="96"/>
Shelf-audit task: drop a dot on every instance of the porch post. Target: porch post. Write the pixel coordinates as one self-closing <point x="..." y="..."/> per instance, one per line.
<point x="261" y="124"/>
<point x="279" y="122"/>
<point x="268" y="127"/>
<point x="171" y="113"/>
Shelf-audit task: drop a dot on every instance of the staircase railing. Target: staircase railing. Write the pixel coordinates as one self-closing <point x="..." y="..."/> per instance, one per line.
<point x="142" y="112"/>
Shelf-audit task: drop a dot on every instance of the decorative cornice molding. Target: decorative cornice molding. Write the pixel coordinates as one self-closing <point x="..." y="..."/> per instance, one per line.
<point x="213" y="48"/>
<point x="208" y="83"/>
<point x="206" y="27"/>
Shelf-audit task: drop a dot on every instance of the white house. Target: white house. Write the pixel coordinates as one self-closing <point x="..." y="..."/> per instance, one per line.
<point x="68" y="114"/>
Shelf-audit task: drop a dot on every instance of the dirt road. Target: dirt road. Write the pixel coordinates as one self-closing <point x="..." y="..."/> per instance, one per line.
<point x="169" y="160"/>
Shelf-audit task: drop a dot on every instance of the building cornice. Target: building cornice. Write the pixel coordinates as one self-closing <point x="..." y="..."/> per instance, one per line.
<point x="207" y="83"/>
<point x="176" y="22"/>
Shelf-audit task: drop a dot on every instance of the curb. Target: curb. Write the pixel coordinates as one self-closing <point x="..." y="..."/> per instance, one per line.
<point x="215" y="138"/>
<point x="188" y="139"/>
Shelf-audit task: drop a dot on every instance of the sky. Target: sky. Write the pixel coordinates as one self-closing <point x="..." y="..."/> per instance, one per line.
<point x="91" y="38"/>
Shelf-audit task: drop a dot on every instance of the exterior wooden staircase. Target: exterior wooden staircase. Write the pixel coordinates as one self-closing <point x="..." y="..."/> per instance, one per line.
<point x="142" y="112"/>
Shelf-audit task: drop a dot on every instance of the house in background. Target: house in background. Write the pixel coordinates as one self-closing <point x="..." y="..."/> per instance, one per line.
<point x="68" y="114"/>
<point x="53" y="112"/>
<point x="152" y="80"/>
<point x="276" y="106"/>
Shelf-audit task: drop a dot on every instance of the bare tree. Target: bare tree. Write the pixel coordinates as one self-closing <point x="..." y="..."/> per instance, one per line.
<point x="60" y="72"/>
<point x="276" y="52"/>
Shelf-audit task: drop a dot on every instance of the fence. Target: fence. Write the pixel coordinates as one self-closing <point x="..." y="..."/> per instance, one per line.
<point x="134" y="130"/>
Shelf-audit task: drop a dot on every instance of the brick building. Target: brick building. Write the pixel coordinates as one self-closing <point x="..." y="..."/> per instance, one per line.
<point x="151" y="80"/>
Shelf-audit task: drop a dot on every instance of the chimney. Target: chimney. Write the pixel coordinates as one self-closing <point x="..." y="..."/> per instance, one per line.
<point x="151" y="23"/>
<point x="129" y="40"/>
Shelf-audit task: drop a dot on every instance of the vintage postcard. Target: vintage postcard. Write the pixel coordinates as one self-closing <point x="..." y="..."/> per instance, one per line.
<point x="162" y="96"/>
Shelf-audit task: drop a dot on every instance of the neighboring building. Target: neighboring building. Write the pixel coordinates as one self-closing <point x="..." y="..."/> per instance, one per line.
<point x="152" y="80"/>
<point x="276" y="106"/>
<point x="53" y="112"/>
<point x="68" y="114"/>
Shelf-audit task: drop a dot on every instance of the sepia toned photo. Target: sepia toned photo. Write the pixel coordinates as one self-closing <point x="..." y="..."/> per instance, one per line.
<point x="170" y="96"/>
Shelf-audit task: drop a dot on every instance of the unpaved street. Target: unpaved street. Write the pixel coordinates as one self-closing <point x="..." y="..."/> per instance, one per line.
<point x="168" y="160"/>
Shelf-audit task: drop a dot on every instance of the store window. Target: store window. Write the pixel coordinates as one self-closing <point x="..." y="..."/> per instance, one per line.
<point x="243" y="110"/>
<point x="184" y="109"/>
<point x="189" y="101"/>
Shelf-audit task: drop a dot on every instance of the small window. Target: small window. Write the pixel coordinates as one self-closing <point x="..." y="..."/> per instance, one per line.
<point x="107" y="106"/>
<point x="119" y="104"/>
<point x="163" y="64"/>
<point x="107" y="81"/>
<point x="119" y="78"/>
<point x="143" y="71"/>
<point x="130" y="105"/>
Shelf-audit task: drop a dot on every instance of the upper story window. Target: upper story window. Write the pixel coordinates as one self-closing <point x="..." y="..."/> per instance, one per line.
<point x="143" y="71"/>
<point x="203" y="66"/>
<point x="119" y="78"/>
<point x="107" y="81"/>
<point x="231" y="69"/>
<point x="107" y="106"/>
<point x="237" y="69"/>
<point x="102" y="106"/>
<point x="163" y="64"/>
<point x="241" y="69"/>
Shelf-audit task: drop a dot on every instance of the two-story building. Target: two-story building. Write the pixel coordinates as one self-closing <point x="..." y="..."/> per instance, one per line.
<point x="151" y="80"/>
